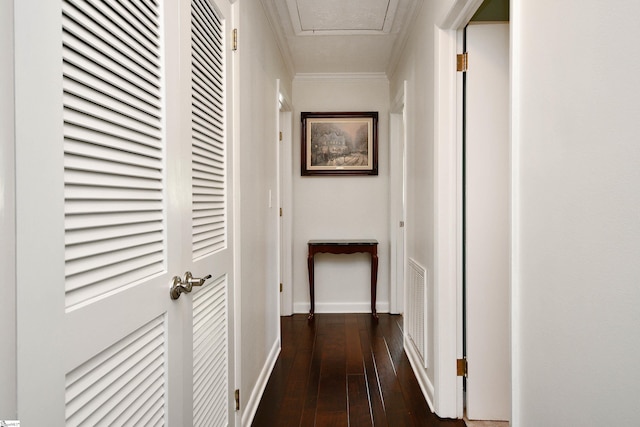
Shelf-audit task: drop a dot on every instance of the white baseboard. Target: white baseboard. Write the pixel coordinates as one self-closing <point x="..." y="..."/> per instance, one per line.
<point x="341" y="307"/>
<point x="425" y="383"/>
<point x="261" y="384"/>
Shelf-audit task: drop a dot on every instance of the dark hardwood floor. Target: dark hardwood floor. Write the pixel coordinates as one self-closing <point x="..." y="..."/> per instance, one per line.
<point x="344" y="370"/>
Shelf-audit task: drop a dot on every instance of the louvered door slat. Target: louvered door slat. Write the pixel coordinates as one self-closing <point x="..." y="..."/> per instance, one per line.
<point x="85" y="135"/>
<point x="206" y="217"/>
<point x="107" y="206"/>
<point x="110" y="181"/>
<point x="98" y="247"/>
<point x="138" y="164"/>
<point x="82" y="223"/>
<point x="122" y="165"/>
<point x="88" y="192"/>
<point x="94" y="234"/>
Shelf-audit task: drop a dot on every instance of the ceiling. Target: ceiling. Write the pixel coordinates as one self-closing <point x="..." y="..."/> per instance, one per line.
<point x="341" y="36"/>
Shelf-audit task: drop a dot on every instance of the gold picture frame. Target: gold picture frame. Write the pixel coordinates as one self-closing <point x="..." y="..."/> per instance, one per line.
<point x="339" y="143"/>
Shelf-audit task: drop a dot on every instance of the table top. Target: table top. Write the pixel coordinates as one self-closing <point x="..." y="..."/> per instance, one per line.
<point x="343" y="242"/>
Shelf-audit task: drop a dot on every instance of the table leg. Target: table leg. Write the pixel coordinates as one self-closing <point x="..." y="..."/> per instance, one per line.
<point x="374" y="282"/>
<point x="311" y="285"/>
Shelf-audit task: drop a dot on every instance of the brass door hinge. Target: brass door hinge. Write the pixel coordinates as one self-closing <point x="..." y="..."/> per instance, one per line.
<point x="280" y="211"/>
<point x="237" y="396"/>
<point x="462" y="62"/>
<point x="462" y="367"/>
<point x="280" y="135"/>
<point x="234" y="39"/>
<point x="280" y="287"/>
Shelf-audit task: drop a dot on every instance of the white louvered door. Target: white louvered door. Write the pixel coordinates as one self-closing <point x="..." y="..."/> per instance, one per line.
<point x="123" y="171"/>
<point x="209" y="230"/>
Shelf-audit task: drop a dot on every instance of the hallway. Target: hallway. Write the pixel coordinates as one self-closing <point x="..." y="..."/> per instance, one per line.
<point x="343" y="369"/>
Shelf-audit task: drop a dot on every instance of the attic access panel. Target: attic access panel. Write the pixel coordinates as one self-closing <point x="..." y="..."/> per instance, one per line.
<point x="312" y="17"/>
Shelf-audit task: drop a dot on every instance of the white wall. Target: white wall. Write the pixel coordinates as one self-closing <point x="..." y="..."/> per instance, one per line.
<point x="8" y="404"/>
<point x="341" y="207"/>
<point x="576" y="248"/>
<point x="260" y="67"/>
<point x="416" y="67"/>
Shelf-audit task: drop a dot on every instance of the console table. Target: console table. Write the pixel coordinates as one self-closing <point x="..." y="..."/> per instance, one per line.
<point x="344" y="247"/>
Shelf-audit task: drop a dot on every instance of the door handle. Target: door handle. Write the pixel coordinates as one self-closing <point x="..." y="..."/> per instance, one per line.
<point x="179" y="286"/>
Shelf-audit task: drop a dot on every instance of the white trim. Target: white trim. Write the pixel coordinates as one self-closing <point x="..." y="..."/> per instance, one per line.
<point x="446" y="236"/>
<point x="428" y="390"/>
<point x="448" y="219"/>
<point x="341" y="307"/>
<point x="397" y="161"/>
<point x="459" y="14"/>
<point x="279" y="242"/>
<point x="347" y="77"/>
<point x="237" y="235"/>
<point x="8" y="377"/>
<point x="459" y="228"/>
<point x="286" y="197"/>
<point x="516" y="322"/>
<point x="258" y="390"/>
<point x="272" y="16"/>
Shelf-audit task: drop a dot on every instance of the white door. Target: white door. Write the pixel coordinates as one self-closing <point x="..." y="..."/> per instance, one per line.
<point x="123" y="176"/>
<point x="285" y="175"/>
<point x="397" y="197"/>
<point x="487" y="221"/>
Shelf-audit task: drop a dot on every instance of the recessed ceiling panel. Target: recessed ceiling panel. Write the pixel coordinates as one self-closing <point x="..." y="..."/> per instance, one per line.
<point x="342" y="15"/>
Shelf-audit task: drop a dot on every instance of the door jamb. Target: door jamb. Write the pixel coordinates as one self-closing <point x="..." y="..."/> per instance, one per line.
<point x="285" y="195"/>
<point x="398" y="132"/>
<point x="448" y="387"/>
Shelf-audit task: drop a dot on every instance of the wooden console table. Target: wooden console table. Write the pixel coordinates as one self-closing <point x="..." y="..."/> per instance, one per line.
<point x="344" y="247"/>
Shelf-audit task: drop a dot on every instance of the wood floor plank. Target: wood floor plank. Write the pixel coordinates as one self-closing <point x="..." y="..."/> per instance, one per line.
<point x="355" y="364"/>
<point x="293" y="401"/>
<point x="395" y="406"/>
<point x="358" y="401"/>
<point x="373" y="385"/>
<point x="332" y="419"/>
<point x="332" y="388"/>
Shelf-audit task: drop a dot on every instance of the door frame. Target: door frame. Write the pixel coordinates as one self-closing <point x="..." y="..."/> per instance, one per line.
<point x="449" y="399"/>
<point x="8" y="378"/>
<point x="398" y="179"/>
<point x="285" y="201"/>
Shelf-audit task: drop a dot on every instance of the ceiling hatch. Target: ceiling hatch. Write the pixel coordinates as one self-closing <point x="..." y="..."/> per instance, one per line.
<point x="334" y="17"/>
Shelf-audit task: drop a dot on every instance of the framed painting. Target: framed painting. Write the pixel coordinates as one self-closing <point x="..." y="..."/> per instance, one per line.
<point x="342" y="143"/>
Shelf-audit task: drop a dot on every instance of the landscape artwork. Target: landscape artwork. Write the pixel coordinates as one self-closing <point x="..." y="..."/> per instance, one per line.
<point x="339" y="143"/>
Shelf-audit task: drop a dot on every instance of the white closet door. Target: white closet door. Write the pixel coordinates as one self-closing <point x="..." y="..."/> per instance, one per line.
<point x="210" y="226"/>
<point x="110" y="211"/>
<point x="487" y="221"/>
